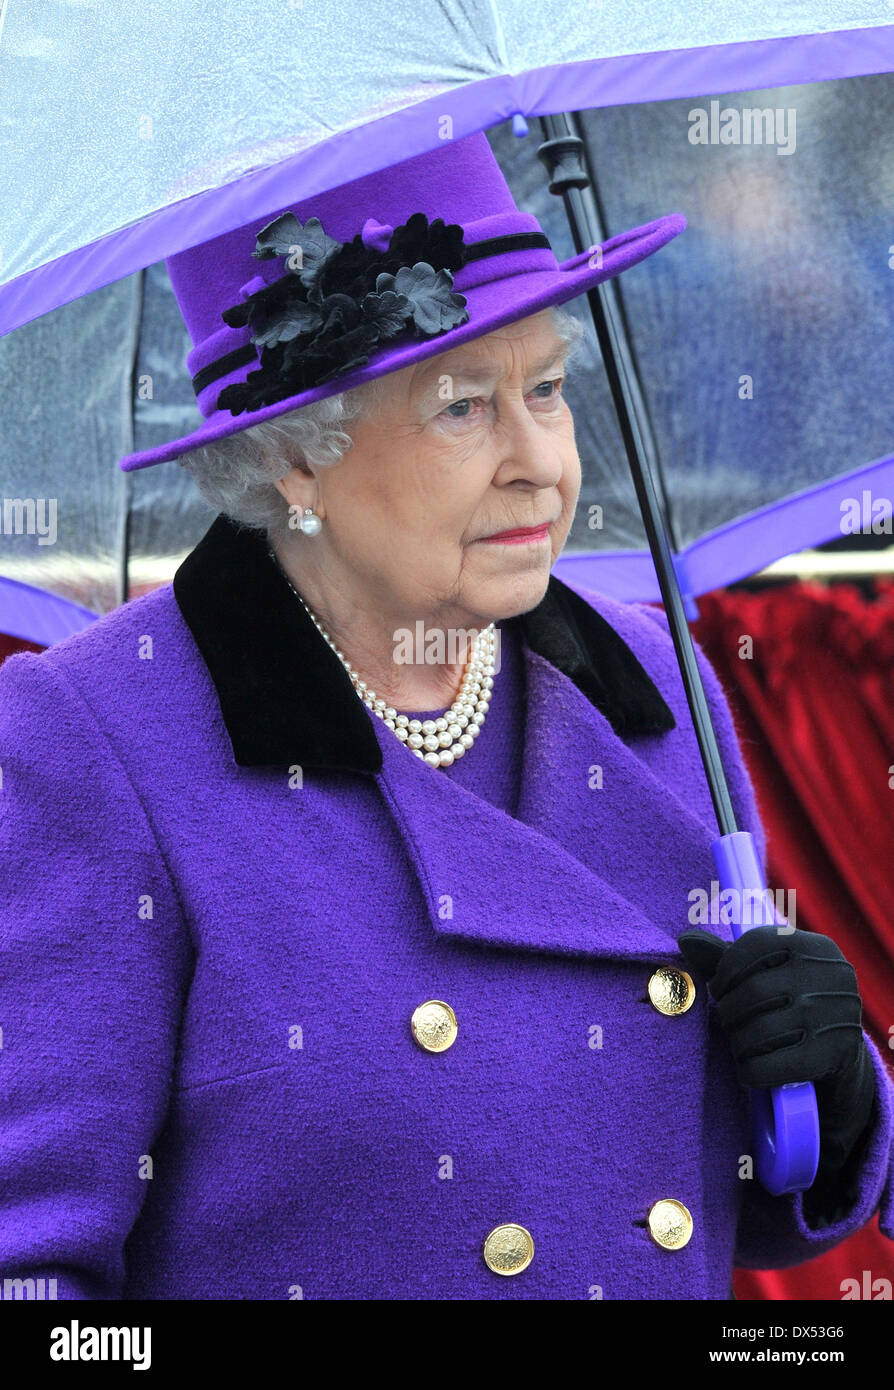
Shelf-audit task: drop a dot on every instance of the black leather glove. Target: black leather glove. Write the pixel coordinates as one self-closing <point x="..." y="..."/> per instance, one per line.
<point x="790" y="1007"/>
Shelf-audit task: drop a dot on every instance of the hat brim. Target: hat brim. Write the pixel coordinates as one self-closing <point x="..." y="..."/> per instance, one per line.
<point x="532" y="291"/>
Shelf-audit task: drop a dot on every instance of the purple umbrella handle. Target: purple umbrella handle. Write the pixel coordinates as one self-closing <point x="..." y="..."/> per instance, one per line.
<point x="784" y="1119"/>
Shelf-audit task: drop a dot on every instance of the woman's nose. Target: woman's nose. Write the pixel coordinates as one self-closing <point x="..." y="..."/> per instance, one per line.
<point x="527" y="452"/>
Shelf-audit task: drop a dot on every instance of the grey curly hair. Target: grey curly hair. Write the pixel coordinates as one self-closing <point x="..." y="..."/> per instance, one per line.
<point x="237" y="475"/>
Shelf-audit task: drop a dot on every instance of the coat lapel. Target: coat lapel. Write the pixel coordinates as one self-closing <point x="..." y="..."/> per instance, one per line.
<point x="601" y="871"/>
<point x="575" y="871"/>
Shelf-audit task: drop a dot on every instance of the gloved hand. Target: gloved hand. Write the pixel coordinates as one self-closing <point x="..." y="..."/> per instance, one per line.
<point x="790" y="1007"/>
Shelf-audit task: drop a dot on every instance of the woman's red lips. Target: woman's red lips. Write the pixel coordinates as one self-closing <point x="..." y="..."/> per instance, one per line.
<point x="520" y="534"/>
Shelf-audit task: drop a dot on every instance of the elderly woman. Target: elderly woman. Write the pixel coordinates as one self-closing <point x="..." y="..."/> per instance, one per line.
<point x="345" y="876"/>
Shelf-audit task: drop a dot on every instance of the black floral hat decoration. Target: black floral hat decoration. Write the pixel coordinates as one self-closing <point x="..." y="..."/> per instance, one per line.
<point x="338" y="301"/>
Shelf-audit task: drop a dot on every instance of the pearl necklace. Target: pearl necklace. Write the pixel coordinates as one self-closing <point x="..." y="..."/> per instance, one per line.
<point x="439" y="742"/>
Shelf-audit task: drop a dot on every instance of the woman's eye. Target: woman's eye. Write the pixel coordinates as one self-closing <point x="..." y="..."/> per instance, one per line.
<point x="553" y="386"/>
<point x="462" y="409"/>
<point x="454" y="409"/>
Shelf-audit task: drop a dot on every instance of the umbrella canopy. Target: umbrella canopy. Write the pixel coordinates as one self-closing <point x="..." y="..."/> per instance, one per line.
<point x="781" y="277"/>
<point x="200" y="117"/>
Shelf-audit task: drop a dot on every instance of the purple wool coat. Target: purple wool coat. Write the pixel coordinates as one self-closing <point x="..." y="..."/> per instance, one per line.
<point x="226" y="890"/>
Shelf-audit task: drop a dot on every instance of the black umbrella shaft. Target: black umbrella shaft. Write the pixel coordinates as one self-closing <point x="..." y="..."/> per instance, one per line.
<point x="562" y="154"/>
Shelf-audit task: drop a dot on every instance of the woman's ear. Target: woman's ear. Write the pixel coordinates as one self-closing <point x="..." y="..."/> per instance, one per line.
<point x="298" y="486"/>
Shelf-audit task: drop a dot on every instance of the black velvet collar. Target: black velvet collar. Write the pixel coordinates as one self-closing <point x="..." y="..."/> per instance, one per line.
<point x="285" y="696"/>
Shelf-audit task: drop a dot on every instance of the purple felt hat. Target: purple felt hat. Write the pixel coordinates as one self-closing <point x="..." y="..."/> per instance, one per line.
<point x="367" y="278"/>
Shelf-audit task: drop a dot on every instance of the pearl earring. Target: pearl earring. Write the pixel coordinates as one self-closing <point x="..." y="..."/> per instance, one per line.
<point x="310" y="523"/>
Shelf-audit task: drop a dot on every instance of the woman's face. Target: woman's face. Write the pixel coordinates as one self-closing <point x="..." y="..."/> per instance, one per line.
<point x="472" y="443"/>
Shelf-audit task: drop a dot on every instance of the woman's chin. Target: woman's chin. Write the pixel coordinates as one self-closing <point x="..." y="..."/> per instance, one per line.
<point x="517" y="591"/>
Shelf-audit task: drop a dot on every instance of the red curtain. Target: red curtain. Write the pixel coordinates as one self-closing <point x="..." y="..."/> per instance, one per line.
<point x="809" y="673"/>
<point x="8" y="645"/>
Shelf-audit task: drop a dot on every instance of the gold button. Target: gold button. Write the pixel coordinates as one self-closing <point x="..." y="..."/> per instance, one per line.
<point x="508" y="1249"/>
<point x="670" y="1224"/>
<point x="434" y="1025"/>
<point x="671" y="990"/>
